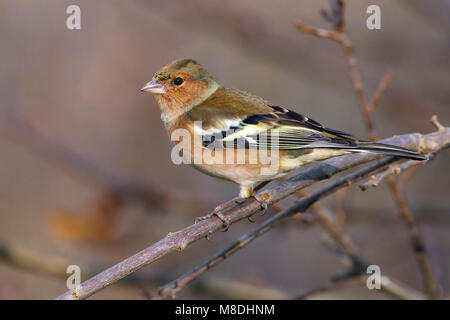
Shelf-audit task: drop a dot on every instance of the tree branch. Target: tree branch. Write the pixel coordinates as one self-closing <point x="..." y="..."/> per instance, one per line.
<point x="181" y="239"/>
<point x="367" y="110"/>
<point x="342" y="38"/>
<point x="415" y="239"/>
<point x="299" y="205"/>
<point x="395" y="169"/>
<point x="331" y="227"/>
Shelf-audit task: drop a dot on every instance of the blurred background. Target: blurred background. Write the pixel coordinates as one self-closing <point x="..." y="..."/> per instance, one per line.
<point x="74" y="129"/>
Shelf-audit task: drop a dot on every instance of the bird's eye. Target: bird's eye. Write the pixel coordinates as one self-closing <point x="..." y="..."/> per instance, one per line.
<point x="177" y="81"/>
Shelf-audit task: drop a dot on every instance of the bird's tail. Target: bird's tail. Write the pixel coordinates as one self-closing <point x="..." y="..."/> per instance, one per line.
<point x="389" y="150"/>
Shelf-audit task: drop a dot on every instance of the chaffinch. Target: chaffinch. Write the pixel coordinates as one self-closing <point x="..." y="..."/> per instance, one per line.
<point x="231" y="120"/>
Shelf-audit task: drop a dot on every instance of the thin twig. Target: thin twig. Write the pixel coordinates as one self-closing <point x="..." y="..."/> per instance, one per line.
<point x="334" y="230"/>
<point x="375" y="179"/>
<point x="367" y="110"/>
<point x="319" y="32"/>
<point x="396" y="169"/>
<point x="349" y="49"/>
<point x="341" y="195"/>
<point x="417" y="243"/>
<point x="382" y="85"/>
<point x="434" y="120"/>
<point x="405" y="212"/>
<point x="358" y="265"/>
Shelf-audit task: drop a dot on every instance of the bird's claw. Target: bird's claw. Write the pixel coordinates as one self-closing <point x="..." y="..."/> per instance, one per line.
<point x="261" y="202"/>
<point x="263" y="205"/>
<point x="225" y="221"/>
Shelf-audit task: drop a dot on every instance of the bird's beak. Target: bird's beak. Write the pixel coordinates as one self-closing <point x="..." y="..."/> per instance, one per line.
<point x="154" y="86"/>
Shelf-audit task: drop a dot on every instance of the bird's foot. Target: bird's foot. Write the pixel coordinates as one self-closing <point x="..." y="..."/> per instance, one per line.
<point x="228" y="204"/>
<point x="225" y="221"/>
<point x="218" y="212"/>
<point x="262" y="203"/>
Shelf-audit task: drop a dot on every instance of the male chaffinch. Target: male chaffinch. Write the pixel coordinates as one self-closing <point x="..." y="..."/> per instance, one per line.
<point x="238" y="121"/>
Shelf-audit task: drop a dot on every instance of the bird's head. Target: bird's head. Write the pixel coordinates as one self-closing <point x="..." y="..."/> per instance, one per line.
<point x="179" y="86"/>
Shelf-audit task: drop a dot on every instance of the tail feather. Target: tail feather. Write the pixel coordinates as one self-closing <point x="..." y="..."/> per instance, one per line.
<point x="389" y="150"/>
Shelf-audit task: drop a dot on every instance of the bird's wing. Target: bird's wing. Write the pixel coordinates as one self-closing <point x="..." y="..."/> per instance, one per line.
<point x="242" y="121"/>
